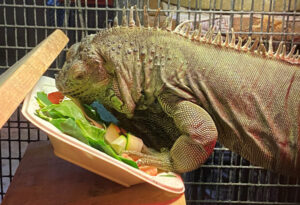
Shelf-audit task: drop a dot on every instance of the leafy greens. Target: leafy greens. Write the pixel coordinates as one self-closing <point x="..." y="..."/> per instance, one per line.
<point x="69" y="119"/>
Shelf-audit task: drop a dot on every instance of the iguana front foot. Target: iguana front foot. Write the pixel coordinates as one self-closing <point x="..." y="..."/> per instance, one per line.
<point x="161" y="160"/>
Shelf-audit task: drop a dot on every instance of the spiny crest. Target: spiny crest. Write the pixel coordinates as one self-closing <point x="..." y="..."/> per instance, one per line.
<point x="185" y="29"/>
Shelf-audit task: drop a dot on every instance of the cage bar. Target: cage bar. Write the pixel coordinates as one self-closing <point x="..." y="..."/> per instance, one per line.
<point x="225" y="178"/>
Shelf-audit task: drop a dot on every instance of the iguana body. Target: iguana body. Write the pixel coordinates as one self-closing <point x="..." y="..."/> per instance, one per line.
<point x="183" y="94"/>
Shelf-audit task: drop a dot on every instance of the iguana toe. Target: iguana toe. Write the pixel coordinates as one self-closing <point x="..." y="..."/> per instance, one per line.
<point x="161" y="160"/>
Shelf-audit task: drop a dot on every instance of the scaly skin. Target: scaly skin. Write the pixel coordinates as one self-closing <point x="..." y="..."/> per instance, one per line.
<point x="182" y="95"/>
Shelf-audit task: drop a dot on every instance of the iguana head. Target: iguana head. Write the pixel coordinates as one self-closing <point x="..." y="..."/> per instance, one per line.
<point x="86" y="77"/>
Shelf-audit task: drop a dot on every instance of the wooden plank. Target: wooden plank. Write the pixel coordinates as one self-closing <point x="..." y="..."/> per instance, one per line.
<point x="19" y="79"/>
<point x="43" y="178"/>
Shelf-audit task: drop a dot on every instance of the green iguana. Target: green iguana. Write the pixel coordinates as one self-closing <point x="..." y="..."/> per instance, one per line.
<point x="183" y="91"/>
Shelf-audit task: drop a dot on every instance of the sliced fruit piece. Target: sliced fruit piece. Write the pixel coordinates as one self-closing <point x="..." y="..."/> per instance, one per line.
<point x="119" y="144"/>
<point x="151" y="170"/>
<point x="127" y="156"/>
<point x="55" y="97"/>
<point x="134" y="143"/>
<point x="112" y="133"/>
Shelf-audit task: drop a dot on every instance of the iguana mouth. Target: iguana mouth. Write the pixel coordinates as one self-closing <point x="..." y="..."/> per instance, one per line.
<point x="70" y="88"/>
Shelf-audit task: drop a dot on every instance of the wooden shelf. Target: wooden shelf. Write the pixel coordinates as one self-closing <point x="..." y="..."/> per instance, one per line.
<point x="43" y="178"/>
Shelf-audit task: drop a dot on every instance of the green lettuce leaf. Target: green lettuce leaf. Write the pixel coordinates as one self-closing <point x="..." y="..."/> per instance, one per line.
<point x="69" y="119"/>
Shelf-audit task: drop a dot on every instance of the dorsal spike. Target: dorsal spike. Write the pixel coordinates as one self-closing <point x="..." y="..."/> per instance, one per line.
<point x="290" y="55"/>
<point x="194" y="35"/>
<point x="205" y="37"/>
<point x="137" y="17"/>
<point x="124" y="17"/>
<point x="116" y="22"/>
<point x="254" y="45"/>
<point x="169" y="27"/>
<point x="247" y="44"/>
<point x="169" y="24"/>
<point x="279" y="49"/>
<point x="283" y="54"/>
<point x="166" y="23"/>
<point x="131" y="21"/>
<point x="261" y="48"/>
<point x="295" y="56"/>
<point x="218" y="39"/>
<point x="178" y="28"/>
<point x="156" y="23"/>
<point x="181" y="31"/>
<point x="226" y="43"/>
<point x="146" y="17"/>
<point x="187" y="32"/>
<point x="232" y="43"/>
<point x="209" y="35"/>
<point x="239" y="44"/>
<point x="198" y="37"/>
<point x="270" y="51"/>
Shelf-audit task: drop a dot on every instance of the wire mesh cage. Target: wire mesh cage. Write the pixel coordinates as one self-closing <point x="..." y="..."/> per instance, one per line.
<point x="225" y="178"/>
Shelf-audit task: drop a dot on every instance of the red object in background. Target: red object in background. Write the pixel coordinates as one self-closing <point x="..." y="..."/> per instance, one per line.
<point x="55" y="97"/>
<point x="92" y="2"/>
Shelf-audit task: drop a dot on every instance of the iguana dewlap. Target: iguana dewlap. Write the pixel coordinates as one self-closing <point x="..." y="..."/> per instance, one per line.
<point x="183" y="91"/>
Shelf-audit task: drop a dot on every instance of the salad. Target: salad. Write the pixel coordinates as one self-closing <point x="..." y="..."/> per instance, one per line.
<point x="84" y="123"/>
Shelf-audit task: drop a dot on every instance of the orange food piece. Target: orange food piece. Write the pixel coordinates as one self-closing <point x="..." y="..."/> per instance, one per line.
<point x="55" y="97"/>
<point x="134" y="158"/>
<point x="117" y="128"/>
<point x="127" y="156"/>
<point x="151" y="170"/>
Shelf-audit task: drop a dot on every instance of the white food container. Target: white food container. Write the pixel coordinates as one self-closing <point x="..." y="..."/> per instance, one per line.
<point x="76" y="152"/>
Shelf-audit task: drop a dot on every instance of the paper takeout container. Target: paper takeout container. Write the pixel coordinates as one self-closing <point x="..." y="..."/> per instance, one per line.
<point x="76" y="152"/>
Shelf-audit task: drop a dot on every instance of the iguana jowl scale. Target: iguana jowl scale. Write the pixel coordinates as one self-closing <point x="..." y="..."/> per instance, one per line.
<point x="183" y="91"/>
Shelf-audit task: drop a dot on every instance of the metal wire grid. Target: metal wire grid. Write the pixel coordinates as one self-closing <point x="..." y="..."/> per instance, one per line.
<point x="225" y="178"/>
